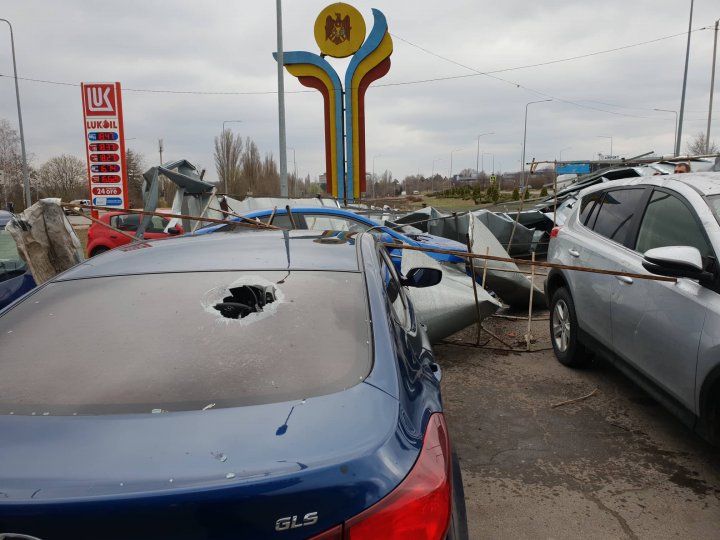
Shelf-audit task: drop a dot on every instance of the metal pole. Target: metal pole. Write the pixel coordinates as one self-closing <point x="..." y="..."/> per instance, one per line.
<point x="522" y="165"/>
<point x="26" y="176"/>
<point x="678" y="140"/>
<point x="676" y="126"/>
<point x="712" y="89"/>
<point x="281" y="104"/>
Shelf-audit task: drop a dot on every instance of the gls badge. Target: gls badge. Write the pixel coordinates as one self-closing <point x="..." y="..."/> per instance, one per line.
<point x="291" y="522"/>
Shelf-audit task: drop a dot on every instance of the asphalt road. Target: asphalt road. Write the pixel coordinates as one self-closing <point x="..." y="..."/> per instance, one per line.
<point x="614" y="465"/>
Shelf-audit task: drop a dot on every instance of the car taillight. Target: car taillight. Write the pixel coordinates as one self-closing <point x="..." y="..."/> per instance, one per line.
<point x="420" y="507"/>
<point x="554" y="232"/>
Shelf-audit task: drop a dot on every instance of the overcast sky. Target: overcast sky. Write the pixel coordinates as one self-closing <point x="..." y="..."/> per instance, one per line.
<point x="412" y="124"/>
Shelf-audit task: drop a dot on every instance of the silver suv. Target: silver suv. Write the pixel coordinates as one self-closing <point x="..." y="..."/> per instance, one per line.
<point x="665" y="335"/>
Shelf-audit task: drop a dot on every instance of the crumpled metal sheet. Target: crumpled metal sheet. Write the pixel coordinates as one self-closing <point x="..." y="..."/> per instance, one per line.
<point x="502" y="277"/>
<point x="449" y="306"/>
<point x="501" y="226"/>
<point x="45" y="240"/>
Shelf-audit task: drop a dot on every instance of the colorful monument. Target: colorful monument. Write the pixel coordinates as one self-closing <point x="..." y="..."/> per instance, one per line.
<point x="340" y="32"/>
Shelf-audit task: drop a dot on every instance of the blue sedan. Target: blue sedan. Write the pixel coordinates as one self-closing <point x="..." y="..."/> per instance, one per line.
<point x="266" y="385"/>
<point x="337" y="219"/>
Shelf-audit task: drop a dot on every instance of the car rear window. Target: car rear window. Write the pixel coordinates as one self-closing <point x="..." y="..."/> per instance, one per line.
<point x="155" y="342"/>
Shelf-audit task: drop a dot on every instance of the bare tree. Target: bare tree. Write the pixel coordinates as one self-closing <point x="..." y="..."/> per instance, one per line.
<point x="251" y="167"/>
<point x="135" y="164"/>
<point x="228" y="152"/>
<point x="696" y="146"/>
<point x="269" y="184"/>
<point x="11" y="165"/>
<point x="65" y="177"/>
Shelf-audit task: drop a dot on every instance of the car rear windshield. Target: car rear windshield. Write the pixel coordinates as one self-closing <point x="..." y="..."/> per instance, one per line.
<point x="169" y="342"/>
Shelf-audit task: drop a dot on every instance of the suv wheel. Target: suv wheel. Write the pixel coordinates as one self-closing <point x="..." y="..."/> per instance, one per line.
<point x="564" y="329"/>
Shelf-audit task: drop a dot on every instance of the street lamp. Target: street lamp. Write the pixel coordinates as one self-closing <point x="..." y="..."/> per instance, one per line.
<point x="712" y="88"/>
<point x="607" y="137"/>
<point x="561" y="151"/>
<point x="26" y="177"/>
<point x="432" y="176"/>
<point x="478" y="151"/>
<point x="522" y="165"/>
<point x="373" y="174"/>
<point x="676" y="126"/>
<point x="678" y="138"/>
<point x="493" y="161"/>
<point x="451" y="157"/>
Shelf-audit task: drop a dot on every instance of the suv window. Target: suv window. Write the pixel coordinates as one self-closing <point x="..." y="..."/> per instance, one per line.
<point x="616" y="212"/>
<point x="669" y="222"/>
<point x="589" y="206"/>
<point x="333" y="223"/>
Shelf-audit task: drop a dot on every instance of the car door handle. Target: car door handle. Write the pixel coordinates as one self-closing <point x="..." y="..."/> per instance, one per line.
<point x="113" y="236"/>
<point x="625" y="279"/>
<point x="574" y="252"/>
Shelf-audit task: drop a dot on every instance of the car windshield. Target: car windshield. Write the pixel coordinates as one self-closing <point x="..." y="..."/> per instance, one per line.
<point x="159" y="342"/>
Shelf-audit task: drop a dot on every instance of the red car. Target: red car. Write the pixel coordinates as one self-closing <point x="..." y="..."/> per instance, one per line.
<point x="102" y="238"/>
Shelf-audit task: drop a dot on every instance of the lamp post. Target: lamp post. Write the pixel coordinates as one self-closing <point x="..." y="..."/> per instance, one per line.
<point x="477" y="170"/>
<point x="223" y="134"/>
<point x="451" y="159"/>
<point x="712" y="88"/>
<point x="607" y="137"/>
<point x="281" y="103"/>
<point x="373" y="174"/>
<point x="676" y="127"/>
<point x="561" y="151"/>
<point x="678" y="138"/>
<point x="493" y="161"/>
<point x="432" y="176"/>
<point x="522" y="165"/>
<point x="26" y="177"/>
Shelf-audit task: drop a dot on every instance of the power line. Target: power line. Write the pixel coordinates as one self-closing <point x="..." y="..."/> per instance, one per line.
<point x="475" y="73"/>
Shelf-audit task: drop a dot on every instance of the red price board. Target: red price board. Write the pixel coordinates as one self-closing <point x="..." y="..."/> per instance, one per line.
<point x="104" y="147"/>
<point x="105" y="168"/>
<point x="105" y="144"/>
<point x="111" y="190"/>
<point x="106" y="179"/>
<point x="104" y="158"/>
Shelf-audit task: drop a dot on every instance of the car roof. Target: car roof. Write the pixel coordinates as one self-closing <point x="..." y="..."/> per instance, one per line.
<point x="312" y="210"/>
<point x="257" y="250"/>
<point x="705" y="183"/>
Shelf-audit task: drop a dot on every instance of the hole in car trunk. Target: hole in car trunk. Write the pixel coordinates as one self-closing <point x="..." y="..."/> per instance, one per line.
<point x="246" y="299"/>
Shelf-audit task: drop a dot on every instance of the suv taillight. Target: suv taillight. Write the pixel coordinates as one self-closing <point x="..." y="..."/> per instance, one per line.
<point x="554" y="232"/>
<point x="420" y="507"/>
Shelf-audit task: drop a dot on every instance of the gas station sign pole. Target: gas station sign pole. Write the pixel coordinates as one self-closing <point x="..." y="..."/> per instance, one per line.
<point x="105" y="144"/>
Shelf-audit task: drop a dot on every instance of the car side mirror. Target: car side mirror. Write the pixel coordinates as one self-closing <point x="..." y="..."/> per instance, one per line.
<point x="676" y="261"/>
<point x="173" y="231"/>
<point x="422" y="277"/>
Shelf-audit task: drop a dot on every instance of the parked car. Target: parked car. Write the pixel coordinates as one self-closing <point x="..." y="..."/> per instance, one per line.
<point x="78" y="201"/>
<point x="101" y="238"/>
<point x="291" y="394"/>
<point x="664" y="335"/>
<point x="15" y="278"/>
<point x="343" y="220"/>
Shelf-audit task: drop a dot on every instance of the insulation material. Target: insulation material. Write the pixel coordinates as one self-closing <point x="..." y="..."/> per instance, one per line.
<point x="449" y="306"/>
<point x="45" y="240"/>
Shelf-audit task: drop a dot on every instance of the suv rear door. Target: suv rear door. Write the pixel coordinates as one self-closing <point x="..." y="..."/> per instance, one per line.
<point x="611" y="215"/>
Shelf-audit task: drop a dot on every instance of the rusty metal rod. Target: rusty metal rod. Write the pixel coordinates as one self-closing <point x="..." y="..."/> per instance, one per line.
<point x="536" y="263"/>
